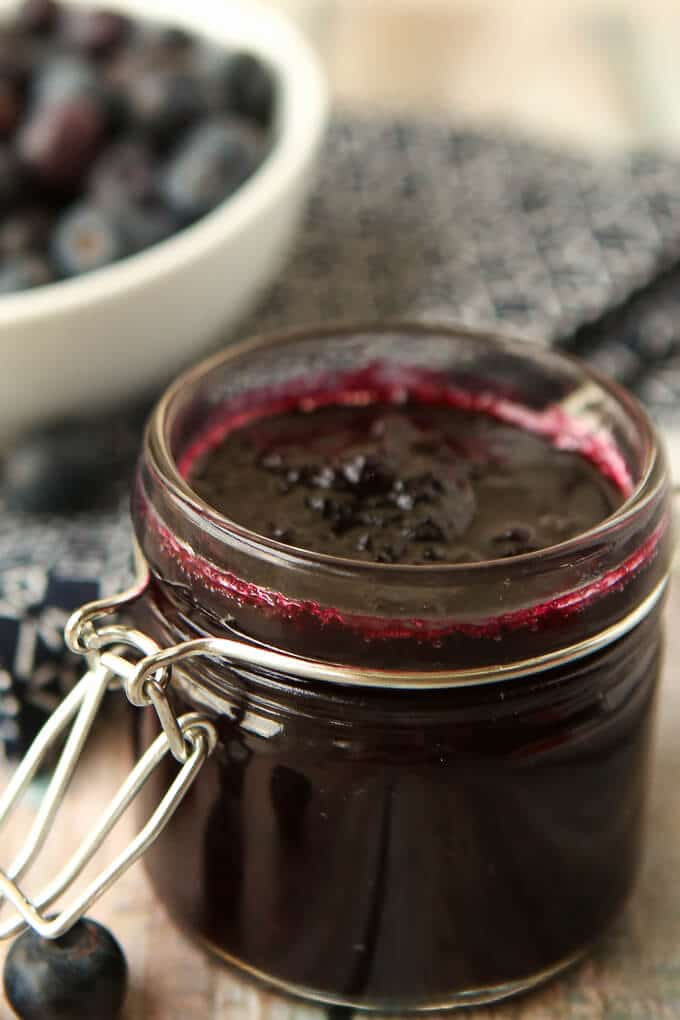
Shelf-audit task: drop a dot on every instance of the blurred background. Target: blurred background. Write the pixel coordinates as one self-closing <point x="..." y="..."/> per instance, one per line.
<point x="601" y="74"/>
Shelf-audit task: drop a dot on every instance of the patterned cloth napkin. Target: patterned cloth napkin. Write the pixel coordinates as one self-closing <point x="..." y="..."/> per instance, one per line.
<point x="413" y="220"/>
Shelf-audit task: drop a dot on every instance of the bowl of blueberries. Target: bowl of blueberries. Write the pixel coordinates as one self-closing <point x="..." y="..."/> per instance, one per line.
<point x="152" y="176"/>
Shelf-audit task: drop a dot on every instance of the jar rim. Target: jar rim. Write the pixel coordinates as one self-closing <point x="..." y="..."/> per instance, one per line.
<point x="166" y="466"/>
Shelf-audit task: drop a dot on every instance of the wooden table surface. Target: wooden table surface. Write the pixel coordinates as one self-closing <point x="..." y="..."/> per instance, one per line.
<point x="633" y="975"/>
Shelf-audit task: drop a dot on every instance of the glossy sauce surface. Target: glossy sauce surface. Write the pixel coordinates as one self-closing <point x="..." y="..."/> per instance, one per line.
<point x="402" y="484"/>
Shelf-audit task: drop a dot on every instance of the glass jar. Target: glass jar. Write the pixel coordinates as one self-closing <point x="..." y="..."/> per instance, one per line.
<point x="430" y="780"/>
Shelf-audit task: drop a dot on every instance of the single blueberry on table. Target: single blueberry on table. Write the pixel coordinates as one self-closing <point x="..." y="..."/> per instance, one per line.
<point x="16" y="65"/>
<point x="85" y="238"/>
<point x="80" y="976"/>
<point x="213" y="162"/>
<point x="67" y="468"/>
<point x="70" y="78"/>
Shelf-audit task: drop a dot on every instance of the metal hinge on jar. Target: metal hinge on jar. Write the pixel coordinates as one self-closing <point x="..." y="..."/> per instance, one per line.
<point x="118" y="657"/>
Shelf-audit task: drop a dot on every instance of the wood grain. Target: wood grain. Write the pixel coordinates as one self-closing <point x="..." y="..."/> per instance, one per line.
<point x="634" y="974"/>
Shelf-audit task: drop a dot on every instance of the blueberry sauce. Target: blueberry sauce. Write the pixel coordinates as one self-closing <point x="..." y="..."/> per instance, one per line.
<point x="414" y="483"/>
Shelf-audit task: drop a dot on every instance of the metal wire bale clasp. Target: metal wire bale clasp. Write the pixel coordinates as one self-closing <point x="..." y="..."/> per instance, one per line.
<point x="190" y="738"/>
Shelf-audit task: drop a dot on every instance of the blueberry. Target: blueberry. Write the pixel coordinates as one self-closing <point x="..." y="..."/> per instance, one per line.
<point x="23" y="271"/>
<point x="123" y="173"/>
<point x="11" y="182"/>
<point x="217" y="157"/>
<point x="163" y="46"/>
<point x="79" y="976"/>
<point x="25" y="230"/>
<point x="143" y="224"/>
<point x="19" y="55"/>
<point x="249" y="88"/>
<point x="86" y="237"/>
<point x="61" y="78"/>
<point x="37" y="17"/>
<point x="165" y="103"/>
<point x="59" y="142"/>
<point x="67" y="468"/>
<point x="16" y="64"/>
<point x="11" y="104"/>
<point x="95" y="31"/>
<point x="174" y="40"/>
<point x="66" y="78"/>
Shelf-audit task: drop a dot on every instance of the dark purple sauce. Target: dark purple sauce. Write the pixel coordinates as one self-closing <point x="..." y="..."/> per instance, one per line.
<point x="402" y="847"/>
<point x="411" y="483"/>
<point x="399" y="848"/>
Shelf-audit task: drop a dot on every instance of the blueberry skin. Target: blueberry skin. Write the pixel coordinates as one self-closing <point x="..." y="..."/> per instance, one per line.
<point x="86" y="237"/>
<point x="216" y="158"/>
<point x="81" y="976"/>
<point x="23" y="271"/>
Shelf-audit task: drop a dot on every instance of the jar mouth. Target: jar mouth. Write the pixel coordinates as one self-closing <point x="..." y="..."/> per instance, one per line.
<point x="166" y="464"/>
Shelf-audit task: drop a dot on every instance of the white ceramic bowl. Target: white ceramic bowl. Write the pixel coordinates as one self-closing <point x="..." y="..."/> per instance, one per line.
<point x="91" y="341"/>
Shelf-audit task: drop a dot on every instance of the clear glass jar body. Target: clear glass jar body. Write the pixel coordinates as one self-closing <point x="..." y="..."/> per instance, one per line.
<point x="442" y="827"/>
